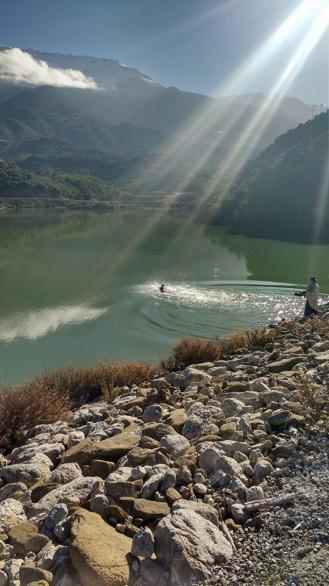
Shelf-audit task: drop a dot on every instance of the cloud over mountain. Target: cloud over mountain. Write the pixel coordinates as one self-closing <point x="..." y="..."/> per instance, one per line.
<point x="17" y="66"/>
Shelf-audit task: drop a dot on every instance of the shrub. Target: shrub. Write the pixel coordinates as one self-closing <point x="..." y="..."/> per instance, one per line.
<point x="27" y="405"/>
<point x="245" y="340"/>
<point x="191" y="351"/>
<point x="50" y="396"/>
<point x="85" y="384"/>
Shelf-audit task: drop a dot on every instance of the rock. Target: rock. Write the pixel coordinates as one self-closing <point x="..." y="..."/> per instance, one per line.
<point x="65" y="473"/>
<point x="75" y="492"/>
<point x="74" y="438"/>
<point x="10" y="489"/>
<point x="169" y="480"/>
<point x="157" y="430"/>
<point x="152" y="413"/>
<point x="285" y="364"/>
<point x="152" y="574"/>
<point x="151" y="486"/>
<point x="177" y="419"/>
<point x="24" y="537"/>
<point x="174" y="444"/>
<point x="100" y="468"/>
<point x="12" y="567"/>
<point x="208" y="457"/>
<point x="161" y="384"/>
<point x="98" y="504"/>
<point x="27" y="452"/>
<point x="271" y="396"/>
<point x="184" y="475"/>
<point x="145" y="509"/>
<point x="47" y="556"/>
<point x="40" y="489"/>
<point x="27" y="473"/>
<point x="279" y="418"/>
<point x="238" y="512"/>
<point x="188" y="546"/>
<point x="284" y="450"/>
<point x="172" y="495"/>
<point x="261" y="470"/>
<point x="254" y="493"/>
<point x="63" y="530"/>
<point x="11" y="513"/>
<point x="98" y="552"/>
<point x="232" y="407"/>
<point x="57" y="514"/>
<point x="138" y="455"/>
<point x="206" y="511"/>
<point x="117" y="512"/>
<point x="193" y="375"/>
<point x="29" y="573"/>
<point x="3" y="578"/>
<point x="112" y="448"/>
<point x="115" y="489"/>
<point x="143" y="543"/>
<point x="259" y="386"/>
<point x="138" y="473"/>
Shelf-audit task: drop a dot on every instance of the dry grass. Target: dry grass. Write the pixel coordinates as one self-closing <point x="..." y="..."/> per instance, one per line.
<point x="83" y="385"/>
<point x="247" y="340"/>
<point x="50" y="396"/>
<point x="28" y="405"/>
<point x="191" y="351"/>
<point x="314" y="397"/>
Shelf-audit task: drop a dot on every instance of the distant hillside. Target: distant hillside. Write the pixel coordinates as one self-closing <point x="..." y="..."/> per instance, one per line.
<point x="16" y="182"/>
<point x="131" y="112"/>
<point x="283" y="193"/>
<point x="44" y="113"/>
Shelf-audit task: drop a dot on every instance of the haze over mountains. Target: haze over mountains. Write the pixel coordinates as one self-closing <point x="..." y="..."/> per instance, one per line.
<point x="84" y="118"/>
<point x="90" y="128"/>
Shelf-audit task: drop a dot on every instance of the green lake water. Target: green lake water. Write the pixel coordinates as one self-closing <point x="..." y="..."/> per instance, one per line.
<point x="80" y="288"/>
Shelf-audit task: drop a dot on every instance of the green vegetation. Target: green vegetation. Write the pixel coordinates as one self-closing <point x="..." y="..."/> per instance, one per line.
<point x="16" y="182"/>
<point x="283" y="193"/>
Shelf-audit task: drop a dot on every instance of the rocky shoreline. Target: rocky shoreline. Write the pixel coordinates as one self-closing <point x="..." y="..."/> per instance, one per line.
<point x="216" y="474"/>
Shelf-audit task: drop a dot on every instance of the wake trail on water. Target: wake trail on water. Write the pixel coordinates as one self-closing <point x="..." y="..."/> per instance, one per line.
<point x="208" y="308"/>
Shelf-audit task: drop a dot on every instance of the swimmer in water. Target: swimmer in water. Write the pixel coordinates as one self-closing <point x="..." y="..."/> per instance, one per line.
<point x="162" y="288"/>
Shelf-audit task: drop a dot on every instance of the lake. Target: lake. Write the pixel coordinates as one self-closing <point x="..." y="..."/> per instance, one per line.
<point x="80" y="288"/>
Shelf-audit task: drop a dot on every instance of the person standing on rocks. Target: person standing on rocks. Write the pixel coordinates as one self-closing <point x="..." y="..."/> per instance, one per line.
<point x="311" y="294"/>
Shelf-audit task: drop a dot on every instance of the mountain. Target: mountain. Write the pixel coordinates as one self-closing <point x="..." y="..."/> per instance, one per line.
<point x="39" y="113"/>
<point x="126" y="95"/>
<point x="16" y="182"/>
<point x="284" y="193"/>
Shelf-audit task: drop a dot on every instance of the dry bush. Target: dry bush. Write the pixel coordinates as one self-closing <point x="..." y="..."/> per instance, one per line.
<point x="314" y="397"/>
<point x="191" y="351"/>
<point x="246" y="340"/>
<point x="84" y="385"/>
<point x="27" y="405"/>
<point x="319" y="326"/>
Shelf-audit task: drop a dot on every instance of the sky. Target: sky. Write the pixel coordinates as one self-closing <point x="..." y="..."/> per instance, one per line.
<point x="191" y="44"/>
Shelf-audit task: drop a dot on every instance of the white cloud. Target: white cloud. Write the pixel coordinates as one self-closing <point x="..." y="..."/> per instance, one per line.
<point x="18" y="66"/>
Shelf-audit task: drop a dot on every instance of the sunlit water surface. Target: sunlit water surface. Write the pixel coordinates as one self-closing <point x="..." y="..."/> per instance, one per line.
<point x="77" y="289"/>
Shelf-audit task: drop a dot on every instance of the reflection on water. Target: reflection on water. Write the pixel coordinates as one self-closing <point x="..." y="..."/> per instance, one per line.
<point x="65" y="298"/>
<point x="215" y="308"/>
<point x="36" y="324"/>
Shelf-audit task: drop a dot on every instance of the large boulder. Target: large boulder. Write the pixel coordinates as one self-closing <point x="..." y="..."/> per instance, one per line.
<point x="111" y="449"/>
<point x="75" y="492"/>
<point x="98" y="552"/>
<point x="37" y="469"/>
<point x="206" y="511"/>
<point x="188" y="546"/>
<point x="11" y="513"/>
